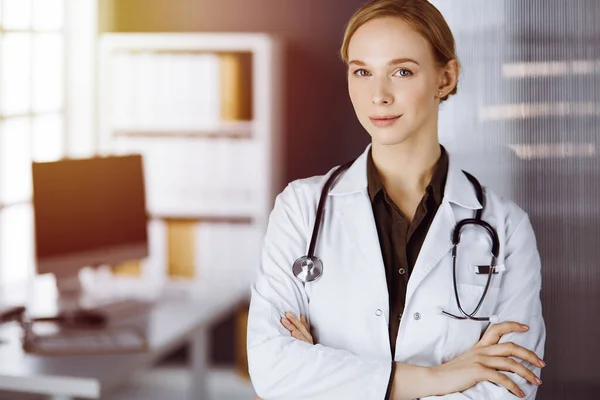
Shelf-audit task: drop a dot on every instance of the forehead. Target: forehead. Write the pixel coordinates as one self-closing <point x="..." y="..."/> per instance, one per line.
<point x="387" y="38"/>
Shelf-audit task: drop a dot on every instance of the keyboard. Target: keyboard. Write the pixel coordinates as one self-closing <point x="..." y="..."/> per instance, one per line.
<point x="87" y="342"/>
<point x="121" y="312"/>
<point x="116" y="309"/>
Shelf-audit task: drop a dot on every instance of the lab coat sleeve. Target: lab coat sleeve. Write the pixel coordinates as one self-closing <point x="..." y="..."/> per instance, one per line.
<point x="519" y="301"/>
<point x="280" y="366"/>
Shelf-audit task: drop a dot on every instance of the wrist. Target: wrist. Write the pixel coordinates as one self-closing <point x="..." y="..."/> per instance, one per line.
<point x="434" y="382"/>
<point x="413" y="382"/>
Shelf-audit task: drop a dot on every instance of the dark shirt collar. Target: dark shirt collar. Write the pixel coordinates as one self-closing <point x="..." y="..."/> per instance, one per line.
<point x="435" y="186"/>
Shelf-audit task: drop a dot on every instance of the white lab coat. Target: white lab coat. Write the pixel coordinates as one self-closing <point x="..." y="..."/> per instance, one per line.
<point x="347" y="308"/>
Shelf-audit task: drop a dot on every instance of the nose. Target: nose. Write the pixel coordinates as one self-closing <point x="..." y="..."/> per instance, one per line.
<point x="381" y="93"/>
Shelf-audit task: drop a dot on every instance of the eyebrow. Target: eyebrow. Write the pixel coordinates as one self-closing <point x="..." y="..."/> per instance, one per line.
<point x="392" y="62"/>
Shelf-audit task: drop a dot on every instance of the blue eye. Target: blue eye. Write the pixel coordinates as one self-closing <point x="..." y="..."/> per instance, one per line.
<point x="404" y="72"/>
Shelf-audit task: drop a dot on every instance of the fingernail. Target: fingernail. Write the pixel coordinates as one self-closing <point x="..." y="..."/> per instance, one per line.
<point x="522" y="393"/>
<point x="538" y="380"/>
<point x="285" y="321"/>
<point x="542" y="363"/>
<point x="525" y="327"/>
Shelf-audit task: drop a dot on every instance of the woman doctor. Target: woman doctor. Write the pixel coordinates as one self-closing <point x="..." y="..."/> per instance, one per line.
<point x="382" y="320"/>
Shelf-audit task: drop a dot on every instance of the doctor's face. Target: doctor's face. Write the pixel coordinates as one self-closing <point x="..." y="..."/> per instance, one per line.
<point x="393" y="81"/>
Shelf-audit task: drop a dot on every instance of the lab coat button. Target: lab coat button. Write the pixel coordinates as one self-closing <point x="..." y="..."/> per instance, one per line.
<point x="378" y="312"/>
<point x="401" y="271"/>
<point x="417" y="316"/>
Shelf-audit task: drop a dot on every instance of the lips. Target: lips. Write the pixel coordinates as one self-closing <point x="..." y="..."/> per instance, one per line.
<point x="387" y="120"/>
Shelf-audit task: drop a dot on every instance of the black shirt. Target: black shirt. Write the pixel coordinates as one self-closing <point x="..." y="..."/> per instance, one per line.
<point x="401" y="239"/>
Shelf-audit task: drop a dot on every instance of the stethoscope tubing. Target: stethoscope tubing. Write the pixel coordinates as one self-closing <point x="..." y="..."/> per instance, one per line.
<point x="300" y="264"/>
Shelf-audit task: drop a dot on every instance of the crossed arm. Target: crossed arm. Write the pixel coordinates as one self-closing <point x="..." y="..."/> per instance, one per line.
<point x="283" y="365"/>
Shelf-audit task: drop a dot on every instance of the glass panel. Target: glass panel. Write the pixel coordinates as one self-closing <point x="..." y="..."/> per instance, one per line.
<point x="17" y="252"/>
<point x="48" y="138"/>
<point x="16" y="80"/>
<point x="17" y="14"/>
<point x="525" y="122"/>
<point x="15" y="160"/>
<point x="48" y="75"/>
<point x="48" y="14"/>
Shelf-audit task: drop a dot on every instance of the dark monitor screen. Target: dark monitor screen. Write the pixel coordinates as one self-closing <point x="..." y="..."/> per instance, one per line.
<point x="89" y="212"/>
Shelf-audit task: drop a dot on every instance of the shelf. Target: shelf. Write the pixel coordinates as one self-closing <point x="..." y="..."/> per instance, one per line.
<point x="5" y="206"/>
<point x="193" y="41"/>
<point x="205" y="218"/>
<point x="225" y="130"/>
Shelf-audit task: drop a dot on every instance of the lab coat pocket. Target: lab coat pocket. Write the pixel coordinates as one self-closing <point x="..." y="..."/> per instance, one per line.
<point x="463" y="334"/>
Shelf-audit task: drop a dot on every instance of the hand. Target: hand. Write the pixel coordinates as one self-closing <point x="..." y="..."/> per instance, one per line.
<point x="484" y="361"/>
<point x="298" y="328"/>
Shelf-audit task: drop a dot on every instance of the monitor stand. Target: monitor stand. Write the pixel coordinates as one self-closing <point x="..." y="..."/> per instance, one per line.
<point x="69" y="292"/>
<point x="74" y="302"/>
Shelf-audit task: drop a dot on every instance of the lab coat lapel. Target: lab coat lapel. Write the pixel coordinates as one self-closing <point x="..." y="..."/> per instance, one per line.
<point x="438" y="242"/>
<point x="436" y="245"/>
<point x="358" y="224"/>
<point x="357" y="220"/>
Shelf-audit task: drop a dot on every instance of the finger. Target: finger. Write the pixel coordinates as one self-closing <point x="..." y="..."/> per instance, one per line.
<point x="287" y="324"/>
<point x="298" y="325"/>
<point x="503" y="380"/>
<point x="494" y="333"/>
<point x="301" y="337"/>
<point x="510" y="365"/>
<point x="511" y="349"/>
<point x="293" y="331"/>
<point x="304" y="322"/>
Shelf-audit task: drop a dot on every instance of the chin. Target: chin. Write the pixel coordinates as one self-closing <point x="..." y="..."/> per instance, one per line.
<point x="388" y="137"/>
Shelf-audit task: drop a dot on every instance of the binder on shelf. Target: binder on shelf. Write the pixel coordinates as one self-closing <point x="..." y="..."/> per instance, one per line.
<point x="128" y="268"/>
<point x="181" y="237"/>
<point x="156" y="92"/>
<point x="241" y="354"/>
<point x="235" y="75"/>
<point x="227" y="246"/>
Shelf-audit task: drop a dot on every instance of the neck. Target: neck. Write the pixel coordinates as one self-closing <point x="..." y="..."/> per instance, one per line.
<point x="406" y="168"/>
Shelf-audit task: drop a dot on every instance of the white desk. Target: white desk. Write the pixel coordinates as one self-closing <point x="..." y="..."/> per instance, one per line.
<point x="172" y="324"/>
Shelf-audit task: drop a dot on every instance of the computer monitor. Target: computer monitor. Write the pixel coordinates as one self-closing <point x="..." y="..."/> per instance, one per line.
<point x="88" y="212"/>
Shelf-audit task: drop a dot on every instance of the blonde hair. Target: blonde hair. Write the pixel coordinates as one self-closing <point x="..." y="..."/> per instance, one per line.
<point x="420" y="14"/>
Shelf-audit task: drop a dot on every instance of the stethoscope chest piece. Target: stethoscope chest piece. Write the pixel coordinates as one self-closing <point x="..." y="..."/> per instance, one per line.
<point x="307" y="269"/>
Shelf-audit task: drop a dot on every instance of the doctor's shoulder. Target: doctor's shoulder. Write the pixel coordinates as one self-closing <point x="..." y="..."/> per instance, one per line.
<point x="506" y="213"/>
<point x="300" y="198"/>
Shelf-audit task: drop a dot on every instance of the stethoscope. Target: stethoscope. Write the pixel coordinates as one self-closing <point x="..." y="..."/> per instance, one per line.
<point x="309" y="268"/>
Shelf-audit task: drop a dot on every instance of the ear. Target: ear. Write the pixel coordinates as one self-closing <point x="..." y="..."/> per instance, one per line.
<point x="448" y="78"/>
